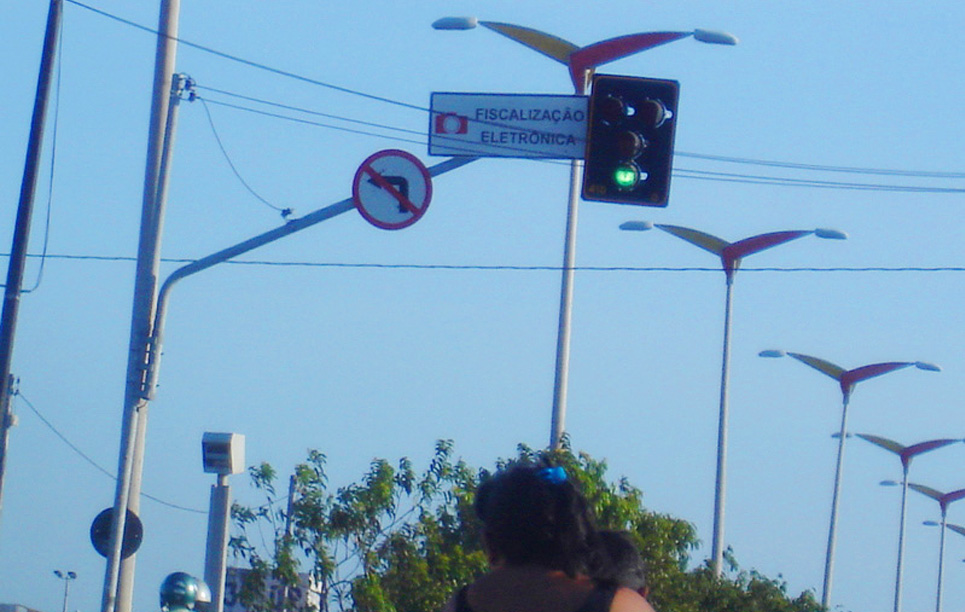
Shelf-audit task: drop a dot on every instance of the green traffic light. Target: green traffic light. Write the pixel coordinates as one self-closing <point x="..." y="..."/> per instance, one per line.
<point x="626" y="176"/>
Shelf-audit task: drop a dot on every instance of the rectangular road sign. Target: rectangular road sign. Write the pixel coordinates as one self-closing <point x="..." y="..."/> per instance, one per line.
<point x="507" y="125"/>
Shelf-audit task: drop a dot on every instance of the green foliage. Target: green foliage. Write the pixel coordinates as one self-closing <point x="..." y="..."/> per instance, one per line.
<point x="397" y="541"/>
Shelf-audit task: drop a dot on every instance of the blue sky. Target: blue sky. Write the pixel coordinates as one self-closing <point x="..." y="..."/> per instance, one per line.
<point x="374" y="360"/>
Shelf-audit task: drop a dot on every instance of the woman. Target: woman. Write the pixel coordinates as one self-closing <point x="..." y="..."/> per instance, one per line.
<point x="540" y="542"/>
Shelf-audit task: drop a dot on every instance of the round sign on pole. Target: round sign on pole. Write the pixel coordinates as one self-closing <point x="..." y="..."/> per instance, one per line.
<point x="100" y="533"/>
<point x="392" y="189"/>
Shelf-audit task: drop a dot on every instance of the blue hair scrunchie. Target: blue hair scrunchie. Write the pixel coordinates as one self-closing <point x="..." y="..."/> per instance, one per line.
<point x="553" y="475"/>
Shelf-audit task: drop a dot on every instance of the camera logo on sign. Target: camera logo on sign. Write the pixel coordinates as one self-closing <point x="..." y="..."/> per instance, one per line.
<point x="451" y="123"/>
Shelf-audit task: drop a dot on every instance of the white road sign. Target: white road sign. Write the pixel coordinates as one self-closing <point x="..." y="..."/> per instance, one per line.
<point x="301" y="597"/>
<point x="392" y="189"/>
<point x="507" y="125"/>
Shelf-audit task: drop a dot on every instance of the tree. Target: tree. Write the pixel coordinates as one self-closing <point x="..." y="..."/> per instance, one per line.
<point x="400" y="542"/>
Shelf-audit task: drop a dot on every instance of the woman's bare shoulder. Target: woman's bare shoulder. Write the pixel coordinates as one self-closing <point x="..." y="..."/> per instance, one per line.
<point x="628" y="600"/>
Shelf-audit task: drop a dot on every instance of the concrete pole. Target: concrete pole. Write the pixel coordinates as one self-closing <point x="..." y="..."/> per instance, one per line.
<point x="118" y="581"/>
<point x="126" y="584"/>
<point x="292" y="481"/>
<point x="216" y="552"/>
<point x="18" y="252"/>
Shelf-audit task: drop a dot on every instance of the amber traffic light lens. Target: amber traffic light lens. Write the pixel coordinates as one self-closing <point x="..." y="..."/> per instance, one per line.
<point x="629" y="144"/>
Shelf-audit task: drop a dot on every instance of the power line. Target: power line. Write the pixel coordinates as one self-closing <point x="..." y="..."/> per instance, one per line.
<point x="510" y="149"/>
<point x="306" y="111"/>
<point x="250" y="63"/>
<point x="685" y="173"/>
<point x="317" y="123"/>
<point x="53" y="161"/>
<point x="823" y="168"/>
<point x="724" y="177"/>
<point x="285" y="212"/>
<point x="86" y="457"/>
<point x="729" y="177"/>
<point x="513" y="268"/>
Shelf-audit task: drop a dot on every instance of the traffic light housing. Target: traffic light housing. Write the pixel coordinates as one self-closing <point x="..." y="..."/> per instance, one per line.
<point x="629" y="143"/>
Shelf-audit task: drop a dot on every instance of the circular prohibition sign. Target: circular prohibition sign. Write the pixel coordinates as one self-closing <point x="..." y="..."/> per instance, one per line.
<point x="392" y="189"/>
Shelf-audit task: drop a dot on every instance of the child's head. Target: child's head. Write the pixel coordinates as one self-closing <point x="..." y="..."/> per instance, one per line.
<point x="621" y="562"/>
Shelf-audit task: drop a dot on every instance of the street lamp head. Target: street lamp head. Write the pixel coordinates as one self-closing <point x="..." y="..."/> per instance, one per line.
<point x="830" y="234"/>
<point x="931" y="523"/>
<point x="772" y="353"/>
<point x="889" y="483"/>
<point x="928" y="367"/>
<point x="455" y="23"/>
<point x="715" y="37"/>
<point x="636" y="226"/>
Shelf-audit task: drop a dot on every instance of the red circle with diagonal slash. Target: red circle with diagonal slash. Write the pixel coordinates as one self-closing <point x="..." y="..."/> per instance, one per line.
<point x="392" y="189"/>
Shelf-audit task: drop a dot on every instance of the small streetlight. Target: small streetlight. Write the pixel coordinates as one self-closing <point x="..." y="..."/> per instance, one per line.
<point x="847" y="380"/>
<point x="905" y="454"/>
<point x="730" y="254"/>
<point x="66" y="577"/>
<point x="581" y="62"/>
<point x="943" y="499"/>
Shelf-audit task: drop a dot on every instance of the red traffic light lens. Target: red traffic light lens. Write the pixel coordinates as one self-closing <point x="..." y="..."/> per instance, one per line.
<point x="611" y="109"/>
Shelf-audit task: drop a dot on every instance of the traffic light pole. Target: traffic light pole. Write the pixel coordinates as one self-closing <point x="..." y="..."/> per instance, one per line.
<point x="558" y="419"/>
<point x="290" y="227"/>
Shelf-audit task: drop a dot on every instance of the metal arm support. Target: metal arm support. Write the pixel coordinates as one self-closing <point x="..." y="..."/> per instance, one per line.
<point x="295" y="225"/>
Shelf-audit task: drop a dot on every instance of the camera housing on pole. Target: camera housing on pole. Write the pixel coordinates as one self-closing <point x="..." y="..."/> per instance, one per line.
<point x="222" y="454"/>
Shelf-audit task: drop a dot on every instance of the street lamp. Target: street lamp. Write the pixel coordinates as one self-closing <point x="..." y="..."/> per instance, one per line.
<point x="847" y="379"/>
<point x="66" y="577"/>
<point x="580" y="61"/>
<point x="943" y="500"/>
<point x="906" y="454"/>
<point x="730" y="255"/>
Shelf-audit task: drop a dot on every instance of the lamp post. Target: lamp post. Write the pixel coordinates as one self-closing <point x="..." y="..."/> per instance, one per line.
<point x="66" y="577"/>
<point x="943" y="499"/>
<point x="847" y="379"/>
<point x="906" y="454"/>
<point x="581" y="62"/>
<point x="730" y="255"/>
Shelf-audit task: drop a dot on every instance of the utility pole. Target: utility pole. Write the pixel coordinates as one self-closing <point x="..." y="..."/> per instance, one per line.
<point x="18" y="252"/>
<point x="119" y="577"/>
<point x="292" y="482"/>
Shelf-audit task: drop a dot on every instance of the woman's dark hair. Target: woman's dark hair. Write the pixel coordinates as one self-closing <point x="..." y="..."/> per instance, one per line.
<point x="534" y="515"/>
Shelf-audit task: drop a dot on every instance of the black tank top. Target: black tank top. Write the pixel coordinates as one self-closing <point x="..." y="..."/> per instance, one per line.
<point x="598" y="601"/>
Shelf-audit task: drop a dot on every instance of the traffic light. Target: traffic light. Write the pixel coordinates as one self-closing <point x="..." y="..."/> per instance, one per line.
<point x="629" y="143"/>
